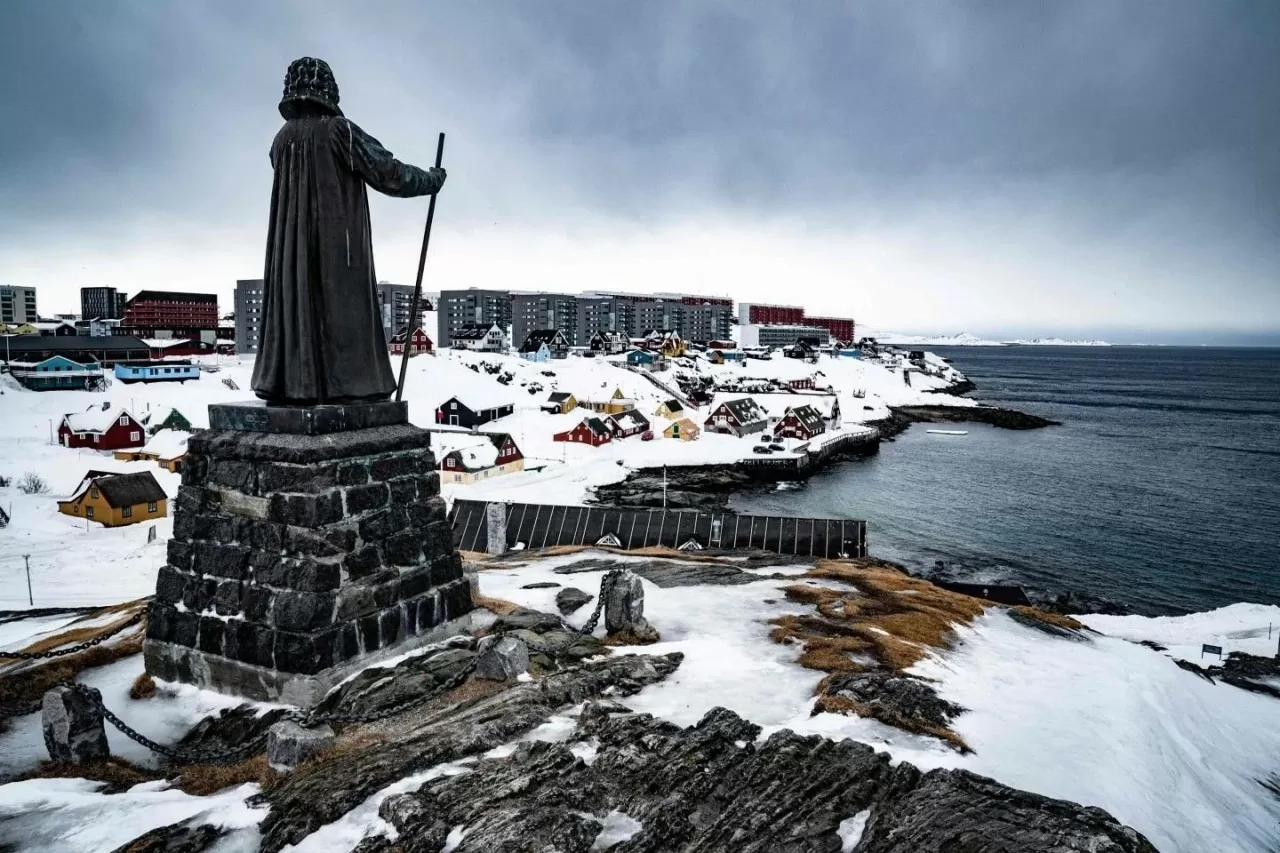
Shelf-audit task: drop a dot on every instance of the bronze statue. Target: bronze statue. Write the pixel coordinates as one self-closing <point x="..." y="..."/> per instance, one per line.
<point x="321" y="330"/>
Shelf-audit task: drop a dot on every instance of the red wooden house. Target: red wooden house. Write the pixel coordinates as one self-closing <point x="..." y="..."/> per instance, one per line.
<point x="802" y="422"/>
<point x="421" y="342"/>
<point x="590" y="431"/>
<point x="101" y="428"/>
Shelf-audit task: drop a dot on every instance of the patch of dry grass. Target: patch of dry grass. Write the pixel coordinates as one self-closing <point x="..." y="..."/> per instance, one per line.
<point x="118" y="774"/>
<point x="144" y="687"/>
<point x="498" y="606"/>
<point x="878" y="613"/>
<point x="202" y="780"/>
<point x="1055" y="619"/>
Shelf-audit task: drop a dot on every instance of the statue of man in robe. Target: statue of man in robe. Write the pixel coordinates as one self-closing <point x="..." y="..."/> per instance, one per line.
<point x="321" y="338"/>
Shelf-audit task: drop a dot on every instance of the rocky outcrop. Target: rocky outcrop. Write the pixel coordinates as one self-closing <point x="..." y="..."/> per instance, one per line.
<point x="686" y="487"/>
<point x="997" y="417"/>
<point x="320" y="793"/>
<point x="71" y="717"/>
<point x="896" y="700"/>
<point x="571" y="599"/>
<point x="1254" y="673"/>
<point x="947" y="811"/>
<point x="175" y="838"/>
<point x="713" y="787"/>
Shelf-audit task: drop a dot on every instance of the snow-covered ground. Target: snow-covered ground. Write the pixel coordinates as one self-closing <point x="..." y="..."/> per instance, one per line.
<point x="75" y="562"/>
<point x="1108" y="723"/>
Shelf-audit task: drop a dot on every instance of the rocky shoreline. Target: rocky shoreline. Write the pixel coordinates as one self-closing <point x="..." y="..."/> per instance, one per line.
<point x="710" y="487"/>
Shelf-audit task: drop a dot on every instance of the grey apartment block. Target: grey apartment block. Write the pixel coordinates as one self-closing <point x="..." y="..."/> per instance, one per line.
<point x="603" y="313"/>
<point x="248" y="314"/>
<point x="458" y="308"/>
<point x="101" y="303"/>
<point x="396" y="302"/>
<point x="18" y="304"/>
<point x="535" y="311"/>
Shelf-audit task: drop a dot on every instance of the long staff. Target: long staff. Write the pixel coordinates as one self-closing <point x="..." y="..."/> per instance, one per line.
<point x="414" y="320"/>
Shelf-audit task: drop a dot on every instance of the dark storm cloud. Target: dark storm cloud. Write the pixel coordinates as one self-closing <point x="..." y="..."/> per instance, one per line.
<point x="1142" y="120"/>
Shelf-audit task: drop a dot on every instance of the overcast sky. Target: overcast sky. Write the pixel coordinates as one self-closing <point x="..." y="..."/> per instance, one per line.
<point x="998" y="167"/>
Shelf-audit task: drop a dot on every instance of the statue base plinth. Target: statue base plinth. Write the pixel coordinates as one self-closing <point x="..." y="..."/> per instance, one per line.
<point x="302" y="552"/>
<point x="259" y="416"/>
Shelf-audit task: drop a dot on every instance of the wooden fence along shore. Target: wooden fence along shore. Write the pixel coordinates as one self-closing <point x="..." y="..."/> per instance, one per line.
<point x="476" y="523"/>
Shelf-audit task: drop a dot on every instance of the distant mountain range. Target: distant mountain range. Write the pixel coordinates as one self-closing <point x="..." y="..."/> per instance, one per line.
<point x="965" y="339"/>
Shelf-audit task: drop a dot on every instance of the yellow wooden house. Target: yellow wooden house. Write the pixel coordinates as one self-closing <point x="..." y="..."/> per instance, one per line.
<point x="670" y="409"/>
<point x="683" y="430"/>
<point x="114" y="500"/>
<point x="615" y="405"/>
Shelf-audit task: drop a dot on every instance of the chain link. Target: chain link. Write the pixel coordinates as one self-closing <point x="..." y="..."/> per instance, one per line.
<point x="79" y="647"/>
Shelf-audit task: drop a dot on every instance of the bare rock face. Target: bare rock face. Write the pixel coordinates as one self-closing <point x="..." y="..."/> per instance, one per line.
<point x="955" y="810"/>
<point x="175" y="838"/>
<point x="899" y="701"/>
<point x="73" y="725"/>
<point x="712" y="787"/>
<point x="321" y="793"/>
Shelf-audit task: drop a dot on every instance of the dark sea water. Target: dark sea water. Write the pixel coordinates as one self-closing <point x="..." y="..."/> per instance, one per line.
<point x="1160" y="490"/>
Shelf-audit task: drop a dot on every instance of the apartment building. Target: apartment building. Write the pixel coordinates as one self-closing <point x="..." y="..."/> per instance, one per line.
<point x="532" y="312"/>
<point x="101" y="303"/>
<point x="248" y="314"/>
<point x="18" y="305"/>
<point x="459" y="308"/>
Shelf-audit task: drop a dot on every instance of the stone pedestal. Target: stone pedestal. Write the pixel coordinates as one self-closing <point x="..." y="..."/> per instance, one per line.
<point x="307" y="543"/>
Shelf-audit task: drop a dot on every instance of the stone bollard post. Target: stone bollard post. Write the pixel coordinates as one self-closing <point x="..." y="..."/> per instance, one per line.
<point x="289" y="744"/>
<point x="496" y="515"/>
<point x="624" y="610"/>
<point x="624" y="603"/>
<point x="502" y="659"/>
<point x="72" y="723"/>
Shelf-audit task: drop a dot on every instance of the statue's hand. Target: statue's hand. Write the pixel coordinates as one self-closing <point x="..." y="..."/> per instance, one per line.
<point x="438" y="174"/>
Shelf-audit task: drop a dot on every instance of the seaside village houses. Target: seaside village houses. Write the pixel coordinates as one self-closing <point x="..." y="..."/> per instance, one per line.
<point x="101" y="427"/>
<point x="560" y="403"/>
<point x="800" y="422"/>
<point x="114" y="500"/>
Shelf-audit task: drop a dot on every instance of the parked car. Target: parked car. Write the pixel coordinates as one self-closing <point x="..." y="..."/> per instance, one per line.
<point x="760" y="448"/>
<point x="647" y="435"/>
<point x="776" y="447"/>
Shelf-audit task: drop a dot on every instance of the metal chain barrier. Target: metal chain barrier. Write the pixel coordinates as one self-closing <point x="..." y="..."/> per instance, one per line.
<point x="79" y="647"/>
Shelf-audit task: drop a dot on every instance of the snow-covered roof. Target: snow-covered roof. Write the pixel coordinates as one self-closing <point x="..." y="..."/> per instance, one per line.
<point x="476" y="452"/>
<point x="96" y="419"/>
<point x="808" y="416"/>
<point x="165" y="343"/>
<point x="485" y="395"/>
<point x="631" y="419"/>
<point x="167" y="444"/>
<point x="745" y="410"/>
<point x="777" y="404"/>
<point x="473" y="331"/>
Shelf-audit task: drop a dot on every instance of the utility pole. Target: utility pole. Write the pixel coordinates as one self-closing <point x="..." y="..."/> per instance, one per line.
<point x="664" y="487"/>
<point x="26" y="558"/>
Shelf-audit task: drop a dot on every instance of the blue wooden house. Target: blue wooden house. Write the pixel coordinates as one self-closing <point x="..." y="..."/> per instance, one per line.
<point x="57" y="373"/>
<point x="156" y="371"/>
<point x="642" y="358"/>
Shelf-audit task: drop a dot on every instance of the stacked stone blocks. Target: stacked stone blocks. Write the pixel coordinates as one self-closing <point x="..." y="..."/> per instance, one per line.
<point x="298" y="553"/>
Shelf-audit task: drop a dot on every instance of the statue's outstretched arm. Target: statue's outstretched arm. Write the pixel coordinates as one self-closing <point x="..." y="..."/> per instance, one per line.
<point x="365" y="156"/>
